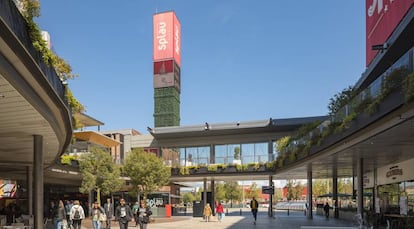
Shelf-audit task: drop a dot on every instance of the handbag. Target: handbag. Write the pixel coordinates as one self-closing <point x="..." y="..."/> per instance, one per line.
<point x="146" y="219"/>
<point x="102" y="217"/>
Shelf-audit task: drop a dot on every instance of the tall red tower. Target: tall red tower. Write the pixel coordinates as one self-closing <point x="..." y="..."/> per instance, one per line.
<point x="167" y="65"/>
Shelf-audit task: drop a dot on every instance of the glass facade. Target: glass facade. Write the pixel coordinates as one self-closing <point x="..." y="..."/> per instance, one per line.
<point x="223" y="154"/>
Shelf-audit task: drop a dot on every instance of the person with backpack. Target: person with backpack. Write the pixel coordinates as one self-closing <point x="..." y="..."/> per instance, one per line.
<point x="68" y="206"/>
<point x="77" y="214"/>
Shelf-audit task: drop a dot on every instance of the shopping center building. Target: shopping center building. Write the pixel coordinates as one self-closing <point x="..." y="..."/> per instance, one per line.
<point x="369" y="139"/>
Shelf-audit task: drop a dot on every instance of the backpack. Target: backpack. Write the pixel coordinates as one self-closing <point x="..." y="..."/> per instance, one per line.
<point x="77" y="214"/>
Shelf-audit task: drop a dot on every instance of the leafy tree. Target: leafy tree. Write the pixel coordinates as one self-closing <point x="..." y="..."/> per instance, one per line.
<point x="219" y="192"/>
<point x="237" y="152"/>
<point x="146" y="171"/>
<point x="233" y="191"/>
<point x="340" y="100"/>
<point x="99" y="173"/>
<point x="291" y="192"/>
<point x="188" y="197"/>
<point x="319" y="187"/>
<point x="253" y="191"/>
<point x="278" y="195"/>
<point x="297" y="191"/>
<point x="198" y="194"/>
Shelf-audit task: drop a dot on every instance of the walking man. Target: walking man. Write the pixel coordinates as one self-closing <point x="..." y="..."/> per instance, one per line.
<point x="254" y="205"/>
<point x="109" y="211"/>
<point x="123" y="214"/>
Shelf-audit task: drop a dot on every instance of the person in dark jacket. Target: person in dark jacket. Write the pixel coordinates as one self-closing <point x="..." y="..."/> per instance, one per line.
<point x="123" y="214"/>
<point x="144" y="214"/>
<point x="109" y="211"/>
<point x="326" y="209"/>
<point x="254" y="205"/>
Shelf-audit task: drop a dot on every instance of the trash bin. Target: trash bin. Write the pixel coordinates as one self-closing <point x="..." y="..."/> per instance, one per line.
<point x="198" y="208"/>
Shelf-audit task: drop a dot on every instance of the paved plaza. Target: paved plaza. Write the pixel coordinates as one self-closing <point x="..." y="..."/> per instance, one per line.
<point x="236" y="221"/>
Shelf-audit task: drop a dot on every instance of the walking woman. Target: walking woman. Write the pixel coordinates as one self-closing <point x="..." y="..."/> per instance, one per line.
<point x="97" y="213"/>
<point x="207" y="212"/>
<point x="60" y="215"/>
<point x="220" y="211"/>
<point x="144" y="214"/>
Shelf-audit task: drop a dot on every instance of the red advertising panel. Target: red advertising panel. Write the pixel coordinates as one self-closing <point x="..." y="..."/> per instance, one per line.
<point x="382" y="16"/>
<point x="167" y="37"/>
<point x="162" y="67"/>
<point x="166" y="74"/>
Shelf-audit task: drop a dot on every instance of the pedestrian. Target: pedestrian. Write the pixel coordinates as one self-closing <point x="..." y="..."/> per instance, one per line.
<point x="123" y="214"/>
<point x="144" y="214"/>
<point x="77" y="214"/>
<point x="207" y="212"/>
<point x="135" y="208"/>
<point x="60" y="215"/>
<point x="254" y="205"/>
<point x="97" y="213"/>
<point x="326" y="209"/>
<point x="68" y="206"/>
<point x="109" y="211"/>
<point x="220" y="211"/>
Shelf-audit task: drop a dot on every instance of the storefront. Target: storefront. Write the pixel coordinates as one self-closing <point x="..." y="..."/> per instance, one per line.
<point x="389" y="194"/>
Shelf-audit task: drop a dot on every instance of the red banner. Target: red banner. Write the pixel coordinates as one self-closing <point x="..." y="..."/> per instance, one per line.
<point x="167" y="37"/>
<point x="382" y="17"/>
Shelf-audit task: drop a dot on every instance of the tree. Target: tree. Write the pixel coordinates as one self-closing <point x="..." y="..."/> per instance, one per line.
<point x="188" y="197"/>
<point x="278" y="195"/>
<point x="198" y="194"/>
<point x="99" y="173"/>
<point x="146" y="171"/>
<point x="233" y="191"/>
<point x="319" y="187"/>
<point x="237" y="153"/>
<point x="253" y="191"/>
<point x="297" y="191"/>
<point x="219" y="192"/>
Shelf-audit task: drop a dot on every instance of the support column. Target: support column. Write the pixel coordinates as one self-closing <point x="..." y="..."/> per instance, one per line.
<point x="38" y="181"/>
<point x="335" y="191"/>
<point x="309" y="194"/>
<point x="212" y="154"/>
<point x="360" y="194"/>
<point x="213" y="204"/>
<point x="271" y="196"/>
<point x="205" y="191"/>
<point x="29" y="184"/>
<point x="270" y="150"/>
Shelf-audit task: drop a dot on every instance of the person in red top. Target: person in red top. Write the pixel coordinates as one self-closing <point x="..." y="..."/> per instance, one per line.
<point x="220" y="211"/>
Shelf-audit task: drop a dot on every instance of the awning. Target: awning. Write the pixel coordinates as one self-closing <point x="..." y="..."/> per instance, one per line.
<point x="97" y="138"/>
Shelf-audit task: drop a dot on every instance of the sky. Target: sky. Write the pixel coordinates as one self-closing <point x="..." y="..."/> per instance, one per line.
<point x="241" y="60"/>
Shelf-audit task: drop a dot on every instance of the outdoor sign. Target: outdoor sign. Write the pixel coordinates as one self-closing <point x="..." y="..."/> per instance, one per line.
<point x="7" y="190"/>
<point x="394" y="173"/>
<point x="268" y="190"/>
<point x="166" y="74"/>
<point x="382" y="17"/>
<point x="167" y="37"/>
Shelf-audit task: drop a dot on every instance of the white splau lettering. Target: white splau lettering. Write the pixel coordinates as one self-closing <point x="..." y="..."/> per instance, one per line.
<point x="162" y="36"/>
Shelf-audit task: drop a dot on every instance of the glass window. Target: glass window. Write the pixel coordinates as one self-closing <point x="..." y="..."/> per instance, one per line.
<point x="247" y="153"/>
<point x="221" y="154"/>
<point x="261" y="152"/>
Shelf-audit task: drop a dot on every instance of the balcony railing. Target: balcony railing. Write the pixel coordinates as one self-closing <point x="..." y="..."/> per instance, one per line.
<point x="15" y="21"/>
<point x="399" y="78"/>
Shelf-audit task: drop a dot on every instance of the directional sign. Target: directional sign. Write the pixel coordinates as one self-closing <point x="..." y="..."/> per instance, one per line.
<point x="268" y="190"/>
